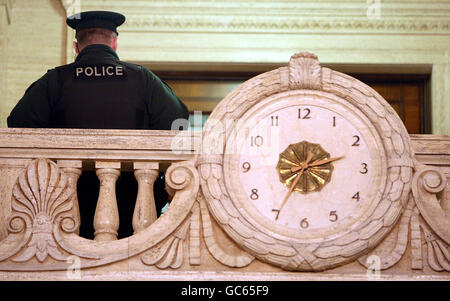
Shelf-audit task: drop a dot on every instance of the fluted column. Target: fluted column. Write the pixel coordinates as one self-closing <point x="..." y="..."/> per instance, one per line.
<point x="145" y="210"/>
<point x="72" y="168"/>
<point x="106" y="219"/>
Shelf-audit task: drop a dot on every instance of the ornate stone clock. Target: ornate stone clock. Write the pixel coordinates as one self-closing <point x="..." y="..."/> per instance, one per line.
<point x="304" y="167"/>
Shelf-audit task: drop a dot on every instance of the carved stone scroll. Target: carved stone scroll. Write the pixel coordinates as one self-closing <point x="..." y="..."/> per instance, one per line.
<point x="424" y="215"/>
<point x="427" y="182"/>
<point x="435" y="216"/>
<point x="170" y="251"/>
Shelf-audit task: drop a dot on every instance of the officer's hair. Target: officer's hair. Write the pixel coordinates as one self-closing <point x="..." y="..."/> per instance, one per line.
<point x="95" y="36"/>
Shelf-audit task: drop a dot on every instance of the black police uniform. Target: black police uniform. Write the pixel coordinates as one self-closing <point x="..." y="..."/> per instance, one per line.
<point x="100" y="91"/>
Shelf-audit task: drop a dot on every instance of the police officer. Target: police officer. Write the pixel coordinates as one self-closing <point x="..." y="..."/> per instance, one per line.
<point x="100" y="91"/>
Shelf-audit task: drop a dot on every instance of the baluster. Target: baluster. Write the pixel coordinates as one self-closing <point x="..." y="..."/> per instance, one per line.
<point x="106" y="219"/>
<point x="72" y="168"/>
<point x="145" y="210"/>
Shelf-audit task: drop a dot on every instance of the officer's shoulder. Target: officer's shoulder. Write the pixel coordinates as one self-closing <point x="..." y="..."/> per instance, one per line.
<point x="60" y="68"/>
<point x="53" y="74"/>
<point x="44" y="79"/>
<point x="132" y="66"/>
<point x="138" y="68"/>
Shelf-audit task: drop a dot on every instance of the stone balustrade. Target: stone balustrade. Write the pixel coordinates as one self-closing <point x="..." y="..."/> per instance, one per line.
<point x="108" y="152"/>
<point x="40" y="216"/>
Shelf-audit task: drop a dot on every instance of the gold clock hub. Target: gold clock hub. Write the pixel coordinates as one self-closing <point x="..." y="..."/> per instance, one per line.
<point x="306" y="160"/>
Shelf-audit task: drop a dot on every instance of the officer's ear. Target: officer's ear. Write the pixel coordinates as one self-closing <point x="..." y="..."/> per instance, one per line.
<point x="114" y="43"/>
<point x="75" y="46"/>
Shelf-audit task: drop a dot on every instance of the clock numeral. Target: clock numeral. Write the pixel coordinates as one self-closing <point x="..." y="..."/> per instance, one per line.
<point x="274" y="120"/>
<point x="277" y="211"/>
<point x="333" y="216"/>
<point x="254" y="195"/>
<point x="356" y="143"/>
<point x="356" y="196"/>
<point x="304" y="223"/>
<point x="364" y="168"/>
<point x="304" y="115"/>
<point x="256" y="141"/>
<point x="246" y="166"/>
<point x="334" y="121"/>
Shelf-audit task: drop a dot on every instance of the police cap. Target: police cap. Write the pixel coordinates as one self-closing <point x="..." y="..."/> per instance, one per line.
<point x="96" y="19"/>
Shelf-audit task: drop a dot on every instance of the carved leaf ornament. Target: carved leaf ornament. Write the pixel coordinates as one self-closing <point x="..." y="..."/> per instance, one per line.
<point x="305" y="77"/>
<point x="41" y="200"/>
<point x="425" y="224"/>
<point x="170" y="252"/>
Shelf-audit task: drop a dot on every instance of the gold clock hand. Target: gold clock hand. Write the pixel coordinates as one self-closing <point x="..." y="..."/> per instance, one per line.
<point x="308" y="158"/>
<point x="292" y="188"/>
<point x="303" y="165"/>
<point x="317" y="163"/>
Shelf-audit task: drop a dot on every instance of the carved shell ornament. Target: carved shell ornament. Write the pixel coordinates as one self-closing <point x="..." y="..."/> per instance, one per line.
<point x="239" y="209"/>
<point x="41" y="199"/>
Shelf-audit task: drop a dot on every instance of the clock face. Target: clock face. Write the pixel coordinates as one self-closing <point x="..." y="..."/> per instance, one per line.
<point x="305" y="166"/>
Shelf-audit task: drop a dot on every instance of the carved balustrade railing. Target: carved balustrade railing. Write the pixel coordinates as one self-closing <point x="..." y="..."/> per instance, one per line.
<point x="39" y="211"/>
<point x="40" y="218"/>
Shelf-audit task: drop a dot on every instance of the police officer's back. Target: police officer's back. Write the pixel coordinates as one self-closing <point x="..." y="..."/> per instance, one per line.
<point x="100" y="91"/>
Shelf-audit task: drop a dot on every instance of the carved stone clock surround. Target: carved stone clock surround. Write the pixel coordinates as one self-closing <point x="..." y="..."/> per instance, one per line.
<point x="304" y="73"/>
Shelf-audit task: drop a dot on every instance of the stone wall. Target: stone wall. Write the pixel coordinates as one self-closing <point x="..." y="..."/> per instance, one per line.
<point x="35" y="42"/>
<point x="4" y="24"/>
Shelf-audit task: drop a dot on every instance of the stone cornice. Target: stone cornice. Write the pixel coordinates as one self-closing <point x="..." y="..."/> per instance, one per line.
<point x="251" y="16"/>
<point x="256" y="24"/>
